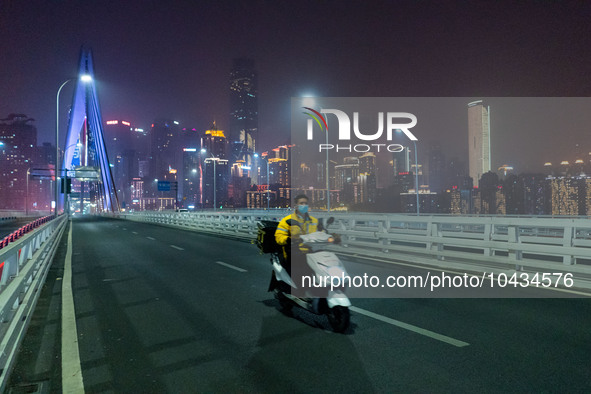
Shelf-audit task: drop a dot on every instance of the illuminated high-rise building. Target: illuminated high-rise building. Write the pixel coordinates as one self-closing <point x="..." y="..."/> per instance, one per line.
<point x="243" y="130"/>
<point x="479" y="160"/>
<point x="166" y="154"/>
<point x="367" y="164"/>
<point x="192" y="187"/>
<point x="121" y="142"/>
<point x="137" y="194"/>
<point x="367" y="179"/>
<point x="215" y="142"/>
<point x="215" y="164"/>
<point x="437" y="167"/>
<point x="565" y="196"/>
<point x="18" y="145"/>
<point x="401" y="162"/>
<point x="536" y="198"/>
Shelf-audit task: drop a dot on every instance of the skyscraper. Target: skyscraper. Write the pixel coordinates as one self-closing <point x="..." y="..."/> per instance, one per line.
<point x="192" y="176"/>
<point x="437" y="176"/>
<point x="166" y="153"/>
<point x="120" y="140"/>
<point x="18" y="144"/>
<point x="478" y="140"/>
<point x="215" y="166"/>
<point x="243" y="131"/>
<point x="401" y="161"/>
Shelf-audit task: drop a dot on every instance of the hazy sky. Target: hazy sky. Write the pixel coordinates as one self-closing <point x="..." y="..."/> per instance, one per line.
<point x="157" y="59"/>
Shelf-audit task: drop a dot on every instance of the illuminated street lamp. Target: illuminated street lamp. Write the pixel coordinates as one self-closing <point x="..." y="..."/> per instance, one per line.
<point x="310" y="102"/>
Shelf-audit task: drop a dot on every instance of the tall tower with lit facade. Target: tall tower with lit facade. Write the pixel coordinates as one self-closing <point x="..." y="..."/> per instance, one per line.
<point x="216" y="168"/>
<point x="479" y="161"/>
<point x="120" y="140"/>
<point x="243" y="129"/>
<point x="166" y="152"/>
<point x="18" y="144"/>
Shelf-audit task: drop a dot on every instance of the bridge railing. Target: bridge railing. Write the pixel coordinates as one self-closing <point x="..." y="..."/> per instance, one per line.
<point x="477" y="244"/>
<point x="24" y="264"/>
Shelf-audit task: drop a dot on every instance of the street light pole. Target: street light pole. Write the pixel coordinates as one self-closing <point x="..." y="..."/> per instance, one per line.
<point x="214" y="185"/>
<point x="417" y="176"/>
<point x="57" y="144"/>
<point x="268" y="185"/>
<point x="327" y="178"/>
<point x="27" y="195"/>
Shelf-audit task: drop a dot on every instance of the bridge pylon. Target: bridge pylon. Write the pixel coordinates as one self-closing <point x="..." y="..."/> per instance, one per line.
<point x="85" y="159"/>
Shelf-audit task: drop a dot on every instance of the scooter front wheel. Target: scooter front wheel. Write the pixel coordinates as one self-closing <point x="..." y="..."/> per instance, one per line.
<point x="339" y="318"/>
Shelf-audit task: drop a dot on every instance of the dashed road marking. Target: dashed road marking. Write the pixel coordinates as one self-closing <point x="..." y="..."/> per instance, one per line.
<point x="231" y="266"/>
<point x="410" y="327"/>
<point x="176" y="247"/>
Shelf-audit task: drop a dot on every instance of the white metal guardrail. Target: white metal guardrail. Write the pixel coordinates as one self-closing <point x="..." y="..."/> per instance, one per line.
<point x="476" y="244"/>
<point x="24" y="264"/>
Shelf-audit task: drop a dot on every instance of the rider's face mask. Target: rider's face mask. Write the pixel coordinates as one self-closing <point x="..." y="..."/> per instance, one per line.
<point x="303" y="209"/>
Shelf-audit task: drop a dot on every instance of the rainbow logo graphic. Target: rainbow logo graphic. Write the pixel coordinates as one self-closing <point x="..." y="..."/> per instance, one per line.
<point x="317" y="117"/>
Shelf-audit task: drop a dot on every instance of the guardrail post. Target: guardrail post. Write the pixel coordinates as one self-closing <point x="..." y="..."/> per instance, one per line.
<point x="567" y="242"/>
<point x="515" y="253"/>
<point x="433" y="231"/>
<point x="346" y="225"/>
<point x="383" y="227"/>
<point x="488" y="233"/>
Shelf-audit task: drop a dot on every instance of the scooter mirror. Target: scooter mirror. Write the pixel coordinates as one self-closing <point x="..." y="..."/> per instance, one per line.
<point x="330" y="221"/>
<point x="320" y="225"/>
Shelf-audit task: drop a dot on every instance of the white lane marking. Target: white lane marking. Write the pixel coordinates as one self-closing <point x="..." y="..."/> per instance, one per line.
<point x="71" y="369"/>
<point x="176" y="247"/>
<point x="151" y="239"/>
<point x="231" y="266"/>
<point x="134" y="232"/>
<point x="124" y="229"/>
<point x="410" y="327"/>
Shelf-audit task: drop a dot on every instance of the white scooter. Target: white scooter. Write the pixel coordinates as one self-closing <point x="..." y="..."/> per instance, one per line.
<point x="329" y="299"/>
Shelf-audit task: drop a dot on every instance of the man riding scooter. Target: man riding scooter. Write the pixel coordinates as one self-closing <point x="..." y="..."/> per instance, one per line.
<point x="297" y="264"/>
<point x="288" y="234"/>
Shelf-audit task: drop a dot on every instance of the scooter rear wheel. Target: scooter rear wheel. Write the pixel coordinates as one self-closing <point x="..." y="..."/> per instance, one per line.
<point x="339" y="318"/>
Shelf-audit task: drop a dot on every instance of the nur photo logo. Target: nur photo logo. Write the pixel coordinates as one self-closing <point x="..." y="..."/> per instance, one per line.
<point x="388" y="122"/>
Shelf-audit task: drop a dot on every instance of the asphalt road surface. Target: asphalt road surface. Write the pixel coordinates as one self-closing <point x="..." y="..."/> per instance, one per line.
<point x="161" y="310"/>
<point x="7" y="228"/>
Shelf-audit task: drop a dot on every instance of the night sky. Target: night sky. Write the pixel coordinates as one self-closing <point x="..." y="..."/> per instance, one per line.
<point x="171" y="59"/>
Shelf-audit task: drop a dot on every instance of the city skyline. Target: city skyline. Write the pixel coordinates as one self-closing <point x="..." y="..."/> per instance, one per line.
<point x="166" y="73"/>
